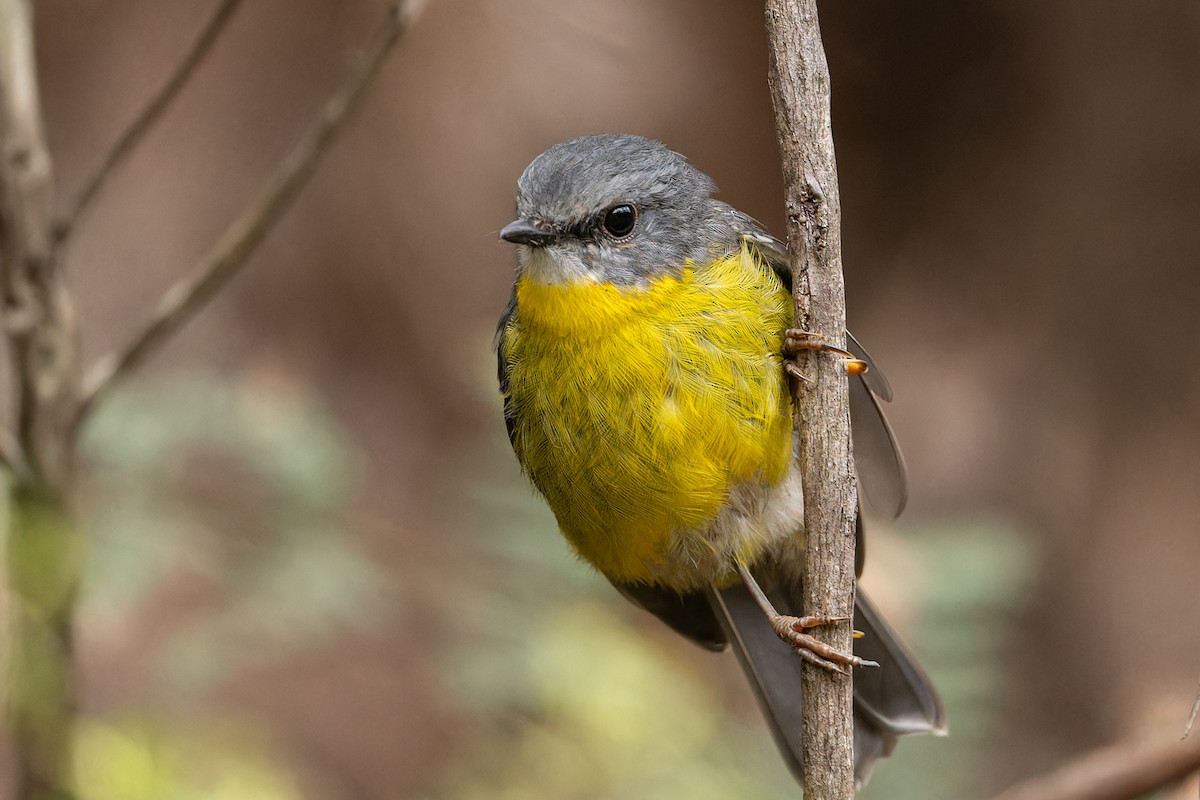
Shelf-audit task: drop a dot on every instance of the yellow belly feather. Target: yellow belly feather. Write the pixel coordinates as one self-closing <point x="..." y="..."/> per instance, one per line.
<point x="638" y="409"/>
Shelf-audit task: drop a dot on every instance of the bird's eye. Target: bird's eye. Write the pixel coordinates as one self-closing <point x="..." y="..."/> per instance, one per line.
<point x="619" y="220"/>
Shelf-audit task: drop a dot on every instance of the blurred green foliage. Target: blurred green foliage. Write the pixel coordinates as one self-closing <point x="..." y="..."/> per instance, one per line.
<point x="974" y="572"/>
<point x="272" y="536"/>
<point x="144" y="760"/>
<point x="240" y="489"/>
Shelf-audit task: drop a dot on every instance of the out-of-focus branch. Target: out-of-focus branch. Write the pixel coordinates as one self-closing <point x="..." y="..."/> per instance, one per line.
<point x="242" y="237"/>
<point x="1117" y="772"/>
<point x="41" y="556"/>
<point x="144" y="121"/>
<point x="39" y="320"/>
<point x="12" y="457"/>
<point x="1187" y="729"/>
<point x="799" y="78"/>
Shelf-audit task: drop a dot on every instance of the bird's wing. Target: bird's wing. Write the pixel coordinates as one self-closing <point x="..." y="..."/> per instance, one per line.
<point x="686" y="614"/>
<point x="502" y="363"/>
<point x="877" y="455"/>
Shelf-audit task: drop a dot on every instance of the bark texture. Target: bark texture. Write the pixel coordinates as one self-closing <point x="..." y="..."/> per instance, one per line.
<point x="799" y="78"/>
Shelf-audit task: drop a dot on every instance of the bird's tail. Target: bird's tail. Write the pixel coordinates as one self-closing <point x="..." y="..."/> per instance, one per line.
<point x="891" y="700"/>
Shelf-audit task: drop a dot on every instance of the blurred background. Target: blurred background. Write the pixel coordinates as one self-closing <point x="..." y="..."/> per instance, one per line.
<point x="315" y="570"/>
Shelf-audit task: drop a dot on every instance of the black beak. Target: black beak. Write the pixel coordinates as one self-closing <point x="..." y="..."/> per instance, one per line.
<point x="534" y="234"/>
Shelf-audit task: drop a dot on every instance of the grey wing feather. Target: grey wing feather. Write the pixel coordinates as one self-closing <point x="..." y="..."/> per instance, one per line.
<point x="898" y="696"/>
<point x="877" y="455"/>
<point x="686" y="614"/>
<point x="502" y="366"/>
<point x="874" y="378"/>
<point x="893" y="700"/>
<point x="771" y="666"/>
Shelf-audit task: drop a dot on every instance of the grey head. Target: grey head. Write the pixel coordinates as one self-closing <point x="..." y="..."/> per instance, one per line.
<point x="617" y="208"/>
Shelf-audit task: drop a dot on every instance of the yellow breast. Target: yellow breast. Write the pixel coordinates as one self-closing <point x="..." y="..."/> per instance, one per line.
<point x="637" y="409"/>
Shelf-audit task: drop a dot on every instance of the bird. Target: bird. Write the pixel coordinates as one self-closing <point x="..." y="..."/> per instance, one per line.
<point x="644" y="369"/>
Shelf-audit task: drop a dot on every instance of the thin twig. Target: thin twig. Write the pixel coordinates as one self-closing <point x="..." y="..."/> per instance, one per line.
<point x="242" y="237"/>
<point x="12" y="456"/>
<point x="38" y="315"/>
<point x="799" y="78"/>
<point x="42" y="561"/>
<point x="1187" y="729"/>
<point x="1117" y="772"/>
<point x="144" y="121"/>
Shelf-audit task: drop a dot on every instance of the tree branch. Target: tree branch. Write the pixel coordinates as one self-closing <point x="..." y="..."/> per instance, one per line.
<point x="39" y="319"/>
<point x="12" y="457"/>
<point x="1187" y="729"/>
<point x="242" y="237"/>
<point x="1118" y="772"/>
<point x="137" y="130"/>
<point x="41" y="552"/>
<point x="799" y="79"/>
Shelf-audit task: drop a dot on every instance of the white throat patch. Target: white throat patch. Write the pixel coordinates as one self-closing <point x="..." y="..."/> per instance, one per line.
<point x="553" y="265"/>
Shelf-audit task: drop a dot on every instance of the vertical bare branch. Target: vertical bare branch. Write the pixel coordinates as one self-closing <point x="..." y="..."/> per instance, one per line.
<point x="38" y="316"/>
<point x="42" y="558"/>
<point x="144" y="121"/>
<point x="799" y="79"/>
<point x="242" y="237"/>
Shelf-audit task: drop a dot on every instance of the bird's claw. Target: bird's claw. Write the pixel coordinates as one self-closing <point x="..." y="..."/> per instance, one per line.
<point x="796" y="340"/>
<point x="794" y="631"/>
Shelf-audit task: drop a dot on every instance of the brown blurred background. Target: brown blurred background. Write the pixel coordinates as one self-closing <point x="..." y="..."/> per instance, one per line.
<point x="1021" y="189"/>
